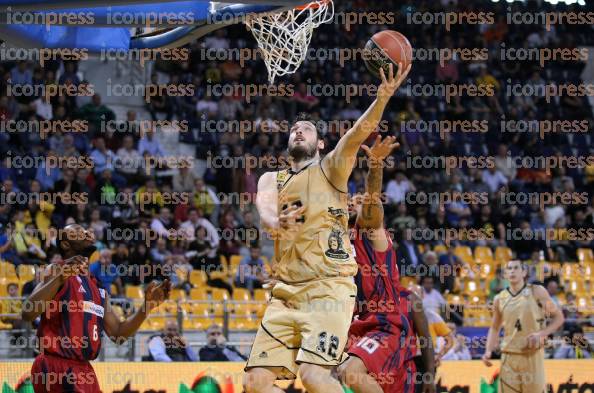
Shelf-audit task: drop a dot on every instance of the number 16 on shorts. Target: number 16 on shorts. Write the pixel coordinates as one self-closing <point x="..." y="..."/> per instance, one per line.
<point x="368" y="344"/>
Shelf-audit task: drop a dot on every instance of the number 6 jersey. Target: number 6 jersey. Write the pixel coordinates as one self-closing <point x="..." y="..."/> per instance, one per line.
<point x="72" y="324"/>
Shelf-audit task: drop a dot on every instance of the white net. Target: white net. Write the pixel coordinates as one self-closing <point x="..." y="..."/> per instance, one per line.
<point x="284" y="37"/>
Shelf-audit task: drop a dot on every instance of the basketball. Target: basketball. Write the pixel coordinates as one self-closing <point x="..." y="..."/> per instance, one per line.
<point x="387" y="47"/>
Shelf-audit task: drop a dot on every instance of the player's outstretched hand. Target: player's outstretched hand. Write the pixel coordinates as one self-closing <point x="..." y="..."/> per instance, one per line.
<point x="487" y="359"/>
<point x="381" y="149"/>
<point x="390" y="84"/>
<point x="156" y="293"/>
<point x="290" y="219"/>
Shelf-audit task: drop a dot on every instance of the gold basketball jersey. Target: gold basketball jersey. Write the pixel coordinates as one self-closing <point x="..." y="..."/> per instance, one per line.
<point x="321" y="248"/>
<point x="522" y="315"/>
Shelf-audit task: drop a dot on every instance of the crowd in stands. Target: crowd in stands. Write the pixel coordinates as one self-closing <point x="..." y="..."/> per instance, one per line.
<point x="121" y="192"/>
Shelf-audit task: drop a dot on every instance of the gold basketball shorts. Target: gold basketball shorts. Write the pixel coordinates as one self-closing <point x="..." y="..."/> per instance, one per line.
<point x="304" y="323"/>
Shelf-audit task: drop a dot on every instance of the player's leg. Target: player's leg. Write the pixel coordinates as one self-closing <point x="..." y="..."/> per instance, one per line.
<point x="273" y="352"/>
<point x="354" y="374"/>
<point x="318" y="379"/>
<point x="510" y="377"/>
<point x="534" y="375"/>
<point x="260" y="380"/>
<point x="324" y="319"/>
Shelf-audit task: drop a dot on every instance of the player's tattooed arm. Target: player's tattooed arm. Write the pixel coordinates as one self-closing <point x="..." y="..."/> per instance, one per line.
<point x="372" y="210"/>
<point x="52" y="280"/>
<point x="421" y="326"/>
<point x="372" y="214"/>
<point x="338" y="164"/>
<point x="493" y="334"/>
<point x="119" y="331"/>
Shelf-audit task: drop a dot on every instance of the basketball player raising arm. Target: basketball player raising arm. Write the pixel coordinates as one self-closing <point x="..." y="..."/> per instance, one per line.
<point x="370" y="368"/>
<point x="337" y="165"/>
<point x="521" y="310"/>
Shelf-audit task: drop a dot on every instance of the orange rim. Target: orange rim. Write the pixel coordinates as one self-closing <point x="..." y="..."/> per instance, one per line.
<point x="313" y="4"/>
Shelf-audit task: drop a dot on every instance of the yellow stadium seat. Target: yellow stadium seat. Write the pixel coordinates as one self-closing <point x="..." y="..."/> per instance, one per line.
<point x="454" y="299"/>
<point x="7" y="270"/>
<point x="26" y="272"/>
<point x="503" y="254"/>
<point x="157" y="322"/>
<point x="483" y="255"/>
<point x="471" y="287"/>
<point x="198" y="278"/>
<point x="241" y="294"/>
<point x="234" y="261"/>
<point x="218" y="294"/>
<point x="177" y="294"/>
<point x="167" y="307"/>
<point x="464" y="253"/>
<point x="585" y="255"/>
<point x="197" y="308"/>
<point x="198" y="294"/>
<point x="577" y="287"/>
<point x="146" y="325"/>
<point x="440" y="249"/>
<point x="408" y="282"/>
<point x="261" y="295"/>
<point x="243" y="321"/>
<point x="134" y="292"/>
<point x="223" y="260"/>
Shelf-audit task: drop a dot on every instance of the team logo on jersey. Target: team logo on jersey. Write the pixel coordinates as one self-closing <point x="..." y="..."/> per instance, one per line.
<point x="338" y="212"/>
<point x="281" y="178"/>
<point x="93" y="308"/>
<point x="336" y="245"/>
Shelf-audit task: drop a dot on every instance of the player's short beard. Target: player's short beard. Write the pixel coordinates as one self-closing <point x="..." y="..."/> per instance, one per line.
<point x="302" y="153"/>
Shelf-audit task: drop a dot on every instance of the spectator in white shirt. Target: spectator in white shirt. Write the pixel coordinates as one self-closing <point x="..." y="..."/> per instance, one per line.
<point x="398" y="187"/>
<point x="183" y="180"/>
<point x="162" y="223"/>
<point x="459" y="351"/>
<point x="129" y="160"/>
<point x="43" y="108"/>
<point x="494" y="179"/>
<point x="432" y="299"/>
<point x="505" y="164"/>
<point x="151" y="145"/>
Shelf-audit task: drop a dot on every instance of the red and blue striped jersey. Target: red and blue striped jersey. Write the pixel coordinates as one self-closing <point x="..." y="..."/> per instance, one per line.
<point x="72" y="324"/>
<point x="408" y="333"/>
<point x="378" y="284"/>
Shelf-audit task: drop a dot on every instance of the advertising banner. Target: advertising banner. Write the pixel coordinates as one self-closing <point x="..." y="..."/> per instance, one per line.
<point x="563" y="376"/>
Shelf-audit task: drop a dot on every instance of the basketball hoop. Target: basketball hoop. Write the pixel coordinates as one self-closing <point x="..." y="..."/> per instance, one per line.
<point x="284" y="37"/>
